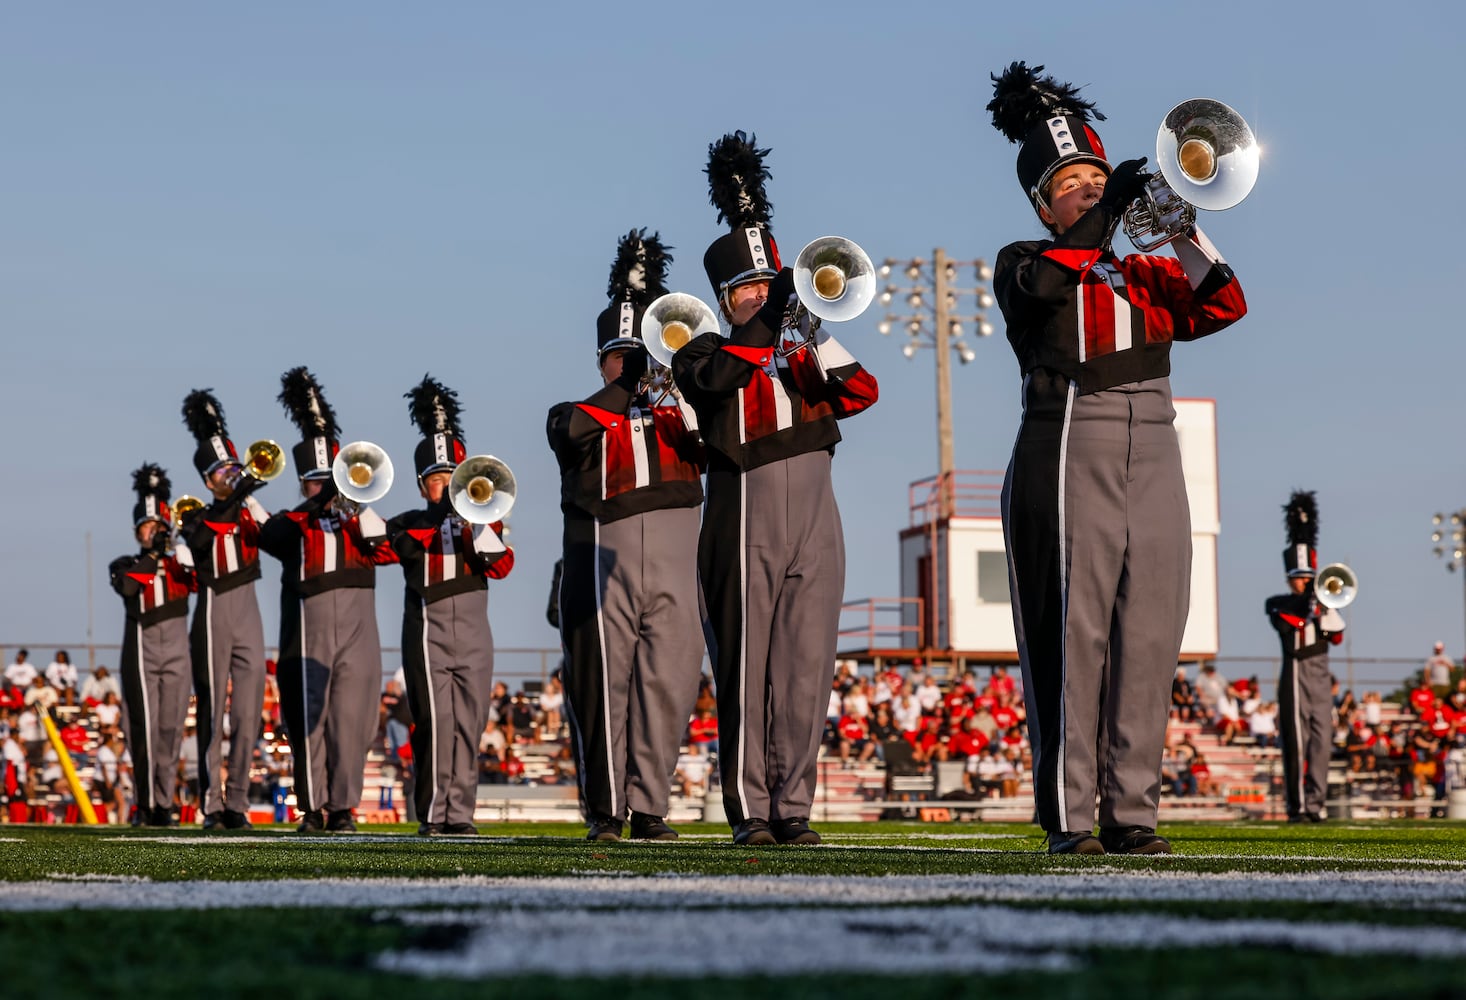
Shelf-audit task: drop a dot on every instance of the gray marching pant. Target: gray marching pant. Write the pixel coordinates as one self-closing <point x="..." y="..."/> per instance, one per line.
<point x="155" y="685"/>
<point x="448" y="659"/>
<point x="228" y="647"/>
<point x="330" y="678"/>
<point x="771" y="559"/>
<point x="1306" y="723"/>
<point x="1098" y="529"/>
<point x="633" y="640"/>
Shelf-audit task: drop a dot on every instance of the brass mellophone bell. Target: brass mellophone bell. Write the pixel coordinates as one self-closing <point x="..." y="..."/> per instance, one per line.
<point x="482" y="489"/>
<point x="362" y="472"/>
<point x="1335" y="586"/>
<point x="673" y="321"/>
<point x="1207" y="158"/>
<point x="834" y="279"/>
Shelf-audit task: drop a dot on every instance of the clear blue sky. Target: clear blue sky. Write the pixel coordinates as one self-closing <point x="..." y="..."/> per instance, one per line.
<point x="202" y="195"/>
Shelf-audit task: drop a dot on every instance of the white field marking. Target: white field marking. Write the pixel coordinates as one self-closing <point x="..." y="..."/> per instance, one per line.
<point x="890" y="940"/>
<point x="12" y="840"/>
<point x="96" y="877"/>
<point x="1407" y="889"/>
<point x="292" y="839"/>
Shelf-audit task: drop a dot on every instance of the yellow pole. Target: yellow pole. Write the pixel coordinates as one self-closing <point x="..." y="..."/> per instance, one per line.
<point x="83" y="800"/>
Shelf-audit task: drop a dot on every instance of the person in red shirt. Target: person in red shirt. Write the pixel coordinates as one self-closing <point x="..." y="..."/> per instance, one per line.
<point x="1004" y="716"/>
<point x="74" y="736"/>
<point x="1422" y="700"/>
<point x="703" y="730"/>
<point x="855" y="737"/>
<point x="930" y="742"/>
<point x="1000" y="683"/>
<point x="969" y="741"/>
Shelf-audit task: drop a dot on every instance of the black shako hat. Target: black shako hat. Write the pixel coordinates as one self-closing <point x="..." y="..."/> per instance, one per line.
<point x="306" y="405"/>
<point x="736" y="175"/>
<point x="1051" y="121"/>
<point x="203" y="415"/>
<point x="1300" y="517"/>
<point x="150" y="483"/>
<point x="638" y="278"/>
<point x="434" y="409"/>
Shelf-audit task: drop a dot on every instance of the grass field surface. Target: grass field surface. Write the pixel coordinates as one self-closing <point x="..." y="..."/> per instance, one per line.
<point x="879" y="910"/>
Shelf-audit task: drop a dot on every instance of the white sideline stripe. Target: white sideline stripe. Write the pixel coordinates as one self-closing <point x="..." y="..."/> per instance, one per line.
<point x="674" y="892"/>
<point x="872" y="939"/>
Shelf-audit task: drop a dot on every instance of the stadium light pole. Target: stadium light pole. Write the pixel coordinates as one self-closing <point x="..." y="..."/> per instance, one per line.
<point x="1448" y="533"/>
<point x="934" y="322"/>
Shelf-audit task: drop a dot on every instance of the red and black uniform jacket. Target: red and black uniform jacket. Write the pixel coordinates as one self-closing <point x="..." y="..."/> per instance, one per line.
<point x="438" y="555"/>
<point x="619" y="455"/>
<point x="225" y="540"/>
<point x="321" y="550"/>
<point x="1073" y="307"/>
<point x="753" y="407"/>
<point x="1298" y="619"/>
<point x="153" y="588"/>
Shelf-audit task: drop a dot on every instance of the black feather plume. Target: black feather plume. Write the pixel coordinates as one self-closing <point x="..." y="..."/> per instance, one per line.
<point x="305" y="404"/>
<point x="1023" y="99"/>
<point x="639" y="274"/>
<point x="203" y="414"/>
<point x="149" y="480"/>
<point x="1300" y="516"/>
<point x="736" y="175"/>
<point x="434" y="408"/>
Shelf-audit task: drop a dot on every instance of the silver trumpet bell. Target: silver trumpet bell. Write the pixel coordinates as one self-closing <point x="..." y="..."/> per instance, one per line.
<point x="363" y="472"/>
<point x="482" y="489"/>
<point x="673" y="321"/>
<point x="1336" y="586"/>
<point x="834" y="279"/>
<point x="1207" y="158"/>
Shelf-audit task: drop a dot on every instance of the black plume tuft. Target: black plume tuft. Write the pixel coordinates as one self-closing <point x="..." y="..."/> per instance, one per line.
<point x="305" y="404"/>
<point x="1023" y="99"/>
<point x="149" y="480"/>
<point x="203" y="414"/>
<point x="434" y="408"/>
<point x="736" y="175"/>
<point x="1300" y="516"/>
<point x="639" y="274"/>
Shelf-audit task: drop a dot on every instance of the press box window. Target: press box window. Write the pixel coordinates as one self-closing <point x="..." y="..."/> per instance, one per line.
<point x="992" y="578"/>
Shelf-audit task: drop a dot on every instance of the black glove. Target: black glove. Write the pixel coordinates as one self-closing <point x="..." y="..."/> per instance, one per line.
<point x="1125" y="184"/>
<point x="771" y="314"/>
<point x="633" y="367"/>
<point x="161" y="538"/>
<point x="323" y="498"/>
<point x="781" y="288"/>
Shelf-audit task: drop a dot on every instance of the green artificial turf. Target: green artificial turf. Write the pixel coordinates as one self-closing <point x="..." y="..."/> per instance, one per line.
<point x="852" y="849"/>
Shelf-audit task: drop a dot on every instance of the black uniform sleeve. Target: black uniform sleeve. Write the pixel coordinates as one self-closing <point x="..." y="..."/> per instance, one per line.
<point x="1029" y="286"/>
<point x="571" y="430"/>
<point x="552" y="613"/>
<point x="279" y="535"/>
<point x="118" y="569"/>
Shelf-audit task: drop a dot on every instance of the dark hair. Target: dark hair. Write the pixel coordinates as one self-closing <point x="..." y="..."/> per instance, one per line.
<point x="61" y="656"/>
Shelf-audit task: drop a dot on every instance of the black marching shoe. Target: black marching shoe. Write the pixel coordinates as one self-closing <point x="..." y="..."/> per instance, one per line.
<point x="233" y="820"/>
<point x="214" y="821"/>
<point x="161" y="816"/>
<point x="460" y="829"/>
<point x="1134" y="840"/>
<point x="311" y="822"/>
<point x="794" y="831"/>
<point x="604" y="828"/>
<point x="340" y="821"/>
<point x="1075" y="842"/>
<point x="430" y="829"/>
<point x="753" y="833"/>
<point x="644" y="826"/>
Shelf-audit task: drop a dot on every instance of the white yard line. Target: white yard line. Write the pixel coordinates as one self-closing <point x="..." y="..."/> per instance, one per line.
<point x="890" y="940"/>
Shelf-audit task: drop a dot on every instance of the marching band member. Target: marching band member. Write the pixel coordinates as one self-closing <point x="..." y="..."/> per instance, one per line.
<point x="1094" y="503"/>
<point x="154" y="585"/>
<point x="771" y="555"/>
<point x="1305" y="686"/>
<point x="330" y="665"/>
<point x="447" y="645"/>
<point x="631" y="489"/>
<point x="228" y="637"/>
